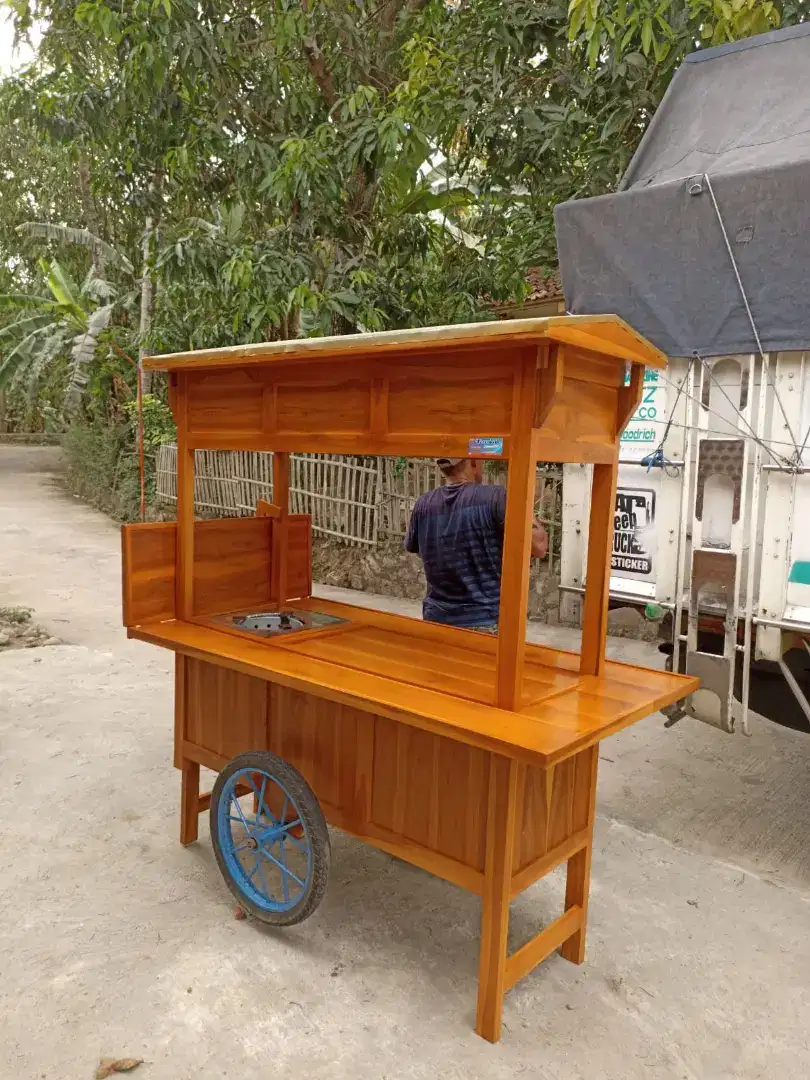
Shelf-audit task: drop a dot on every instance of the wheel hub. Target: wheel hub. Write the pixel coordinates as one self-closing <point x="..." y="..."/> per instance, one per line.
<point x="252" y="843"/>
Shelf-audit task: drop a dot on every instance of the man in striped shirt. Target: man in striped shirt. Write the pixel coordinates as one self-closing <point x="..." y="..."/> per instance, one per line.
<point x="457" y="530"/>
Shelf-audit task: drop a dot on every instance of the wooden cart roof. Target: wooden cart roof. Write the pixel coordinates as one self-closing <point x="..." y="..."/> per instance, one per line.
<point x="606" y="334"/>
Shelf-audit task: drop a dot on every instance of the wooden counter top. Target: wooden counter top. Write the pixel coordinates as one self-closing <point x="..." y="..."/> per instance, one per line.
<point x="403" y="668"/>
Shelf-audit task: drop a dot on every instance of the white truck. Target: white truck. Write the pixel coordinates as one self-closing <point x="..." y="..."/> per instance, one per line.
<point x="712" y="529"/>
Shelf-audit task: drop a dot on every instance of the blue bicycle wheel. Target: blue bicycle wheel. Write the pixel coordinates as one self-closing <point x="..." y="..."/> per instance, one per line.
<point x="270" y="838"/>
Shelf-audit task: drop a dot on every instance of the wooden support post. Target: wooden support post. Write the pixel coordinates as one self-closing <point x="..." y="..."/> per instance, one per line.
<point x="281" y="499"/>
<point x="501" y="821"/>
<point x="597" y="581"/>
<point x="179" y="708"/>
<point x="185" y="518"/>
<point x="189" y="802"/>
<point x="517" y="541"/>
<point x="578" y="871"/>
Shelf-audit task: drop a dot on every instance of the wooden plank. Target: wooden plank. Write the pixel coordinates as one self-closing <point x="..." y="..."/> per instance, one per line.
<point x="597" y="581"/>
<point x="180" y="732"/>
<point x="602" y="333"/>
<point x="536" y="739"/>
<point x="555" y="448"/>
<point x="588" y="366"/>
<point x="347" y="443"/>
<point x="231" y="566"/>
<point x="280" y="535"/>
<point x="630" y="397"/>
<point x="535" y="951"/>
<point x="184" y="602"/>
<point x="189" y="796"/>
<point x="543" y="865"/>
<point x="578" y="874"/>
<point x="495" y="898"/>
<point x="550" y="374"/>
<point x="517" y="540"/>
<point x="148" y="572"/>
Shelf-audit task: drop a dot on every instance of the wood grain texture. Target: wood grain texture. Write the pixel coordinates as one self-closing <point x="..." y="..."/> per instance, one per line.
<point x="531" y="954"/>
<point x="231" y="568"/>
<point x="517" y="537"/>
<point x="279" y="536"/>
<point x="148" y="572"/>
<point x="226" y="711"/>
<point x="630" y="397"/>
<point x="231" y="564"/>
<point x="603" y="334"/>
<point x="578" y="874"/>
<point x="501" y="808"/>
<point x="549" y="379"/>
<point x="539" y="734"/>
<point x="597" y="580"/>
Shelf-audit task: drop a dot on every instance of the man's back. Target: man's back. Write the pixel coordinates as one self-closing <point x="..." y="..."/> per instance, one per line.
<point x="458" y="532"/>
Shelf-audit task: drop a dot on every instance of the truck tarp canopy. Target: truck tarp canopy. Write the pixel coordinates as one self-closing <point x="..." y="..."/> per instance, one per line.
<point x="655" y="253"/>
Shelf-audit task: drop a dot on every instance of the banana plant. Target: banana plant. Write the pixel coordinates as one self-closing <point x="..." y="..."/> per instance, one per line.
<point x="66" y="323"/>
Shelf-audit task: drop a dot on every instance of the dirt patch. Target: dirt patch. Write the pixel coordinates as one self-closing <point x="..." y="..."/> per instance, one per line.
<point x="19" y="631"/>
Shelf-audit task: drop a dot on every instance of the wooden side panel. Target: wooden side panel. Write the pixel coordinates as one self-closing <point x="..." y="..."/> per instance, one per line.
<point x="587" y="366"/>
<point x="474" y="399"/>
<point x="341" y="402"/>
<point x="583" y="412"/>
<point x="231" y="564"/>
<point x="148" y="555"/>
<point x="555" y="807"/>
<point x="224" y="401"/>
<point x="299" y="556"/>
<point x="321" y="739"/>
<point x="430" y="790"/>
<point x="226" y="711"/>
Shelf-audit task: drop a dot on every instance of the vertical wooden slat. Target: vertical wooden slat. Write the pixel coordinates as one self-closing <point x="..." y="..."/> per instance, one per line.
<point x="578" y="873"/>
<point x="517" y="537"/>
<point x="495" y="900"/>
<point x="185" y="512"/>
<point x="597" y="581"/>
<point x="281" y="497"/>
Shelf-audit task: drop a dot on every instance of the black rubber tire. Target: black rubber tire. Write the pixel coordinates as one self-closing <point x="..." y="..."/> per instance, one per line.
<point x="312" y="816"/>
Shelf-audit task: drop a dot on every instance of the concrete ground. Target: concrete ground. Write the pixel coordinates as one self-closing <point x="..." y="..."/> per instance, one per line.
<point x="118" y="942"/>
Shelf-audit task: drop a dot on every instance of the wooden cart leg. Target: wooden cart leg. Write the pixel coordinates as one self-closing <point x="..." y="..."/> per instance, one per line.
<point x="501" y="817"/>
<point x="578" y="872"/>
<point x="189" y="802"/>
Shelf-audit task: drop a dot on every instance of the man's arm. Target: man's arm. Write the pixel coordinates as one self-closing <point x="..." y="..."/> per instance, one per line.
<point x="412" y="535"/>
<point x="539" y="534"/>
<point x="539" y="540"/>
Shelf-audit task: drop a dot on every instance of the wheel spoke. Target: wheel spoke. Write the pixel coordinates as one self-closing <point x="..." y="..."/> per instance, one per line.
<point x="282" y="867"/>
<point x="284" y="886"/>
<point x="261" y="875"/>
<point x="262" y="803"/>
<point x="235" y="802"/>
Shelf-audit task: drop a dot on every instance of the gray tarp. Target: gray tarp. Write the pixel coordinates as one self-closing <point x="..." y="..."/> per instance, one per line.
<point x="654" y="252"/>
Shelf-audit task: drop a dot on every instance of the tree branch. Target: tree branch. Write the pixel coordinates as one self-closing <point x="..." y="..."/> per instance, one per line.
<point x="317" y="64"/>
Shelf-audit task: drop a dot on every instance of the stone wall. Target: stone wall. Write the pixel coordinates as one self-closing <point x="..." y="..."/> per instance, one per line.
<point x="389" y="570"/>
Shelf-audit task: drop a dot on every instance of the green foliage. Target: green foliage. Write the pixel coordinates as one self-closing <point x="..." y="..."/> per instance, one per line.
<point x="102" y="457"/>
<point x="158" y="422"/>
<point x="217" y="174"/>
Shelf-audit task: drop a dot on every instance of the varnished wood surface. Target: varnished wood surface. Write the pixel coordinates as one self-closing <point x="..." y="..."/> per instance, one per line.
<point x="232" y="565"/>
<point x="544" y="732"/>
<point x="599" y="333"/>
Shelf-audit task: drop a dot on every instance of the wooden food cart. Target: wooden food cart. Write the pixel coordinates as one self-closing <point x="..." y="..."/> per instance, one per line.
<point x="470" y="756"/>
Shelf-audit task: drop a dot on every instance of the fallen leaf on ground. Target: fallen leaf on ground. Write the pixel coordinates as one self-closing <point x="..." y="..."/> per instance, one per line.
<point x="108" y="1066"/>
<point x="239" y="912"/>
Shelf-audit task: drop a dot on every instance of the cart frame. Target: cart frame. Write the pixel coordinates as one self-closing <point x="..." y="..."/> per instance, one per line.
<point x="488" y="780"/>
